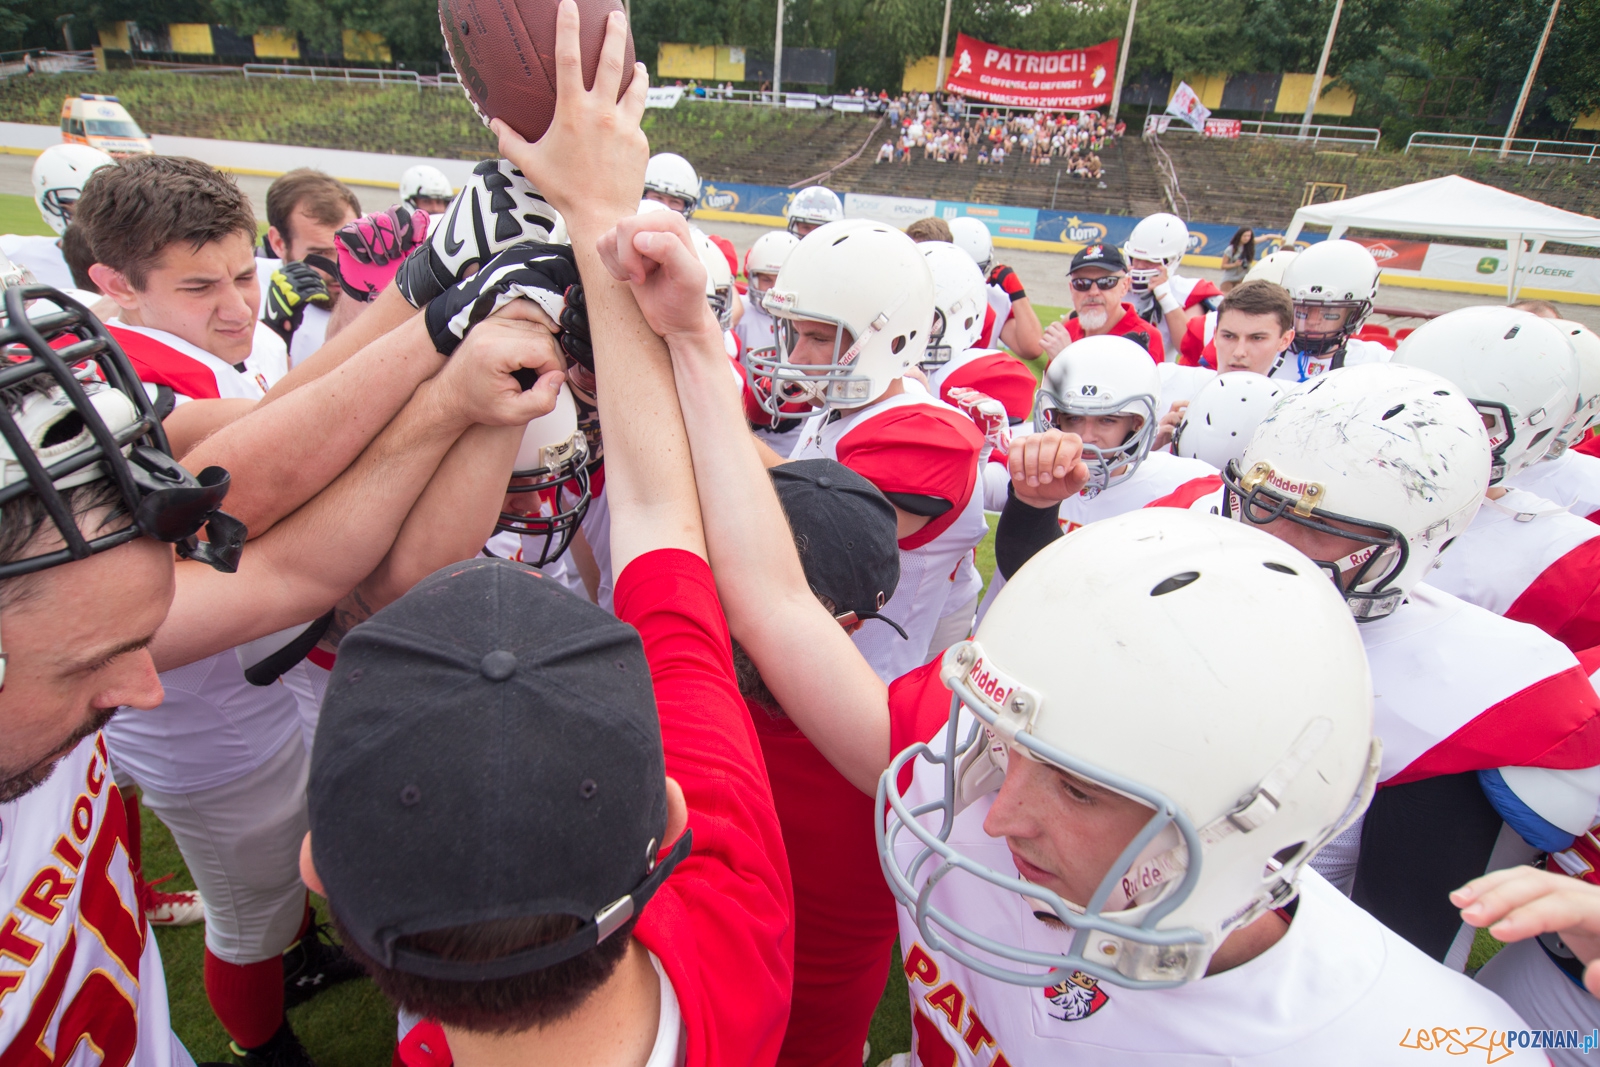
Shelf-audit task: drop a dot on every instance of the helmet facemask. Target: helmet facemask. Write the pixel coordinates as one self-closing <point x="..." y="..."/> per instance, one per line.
<point x="1107" y="466"/>
<point x="1366" y="578"/>
<point x="560" y="465"/>
<point x="828" y="385"/>
<point x="1320" y="343"/>
<point x="938" y="352"/>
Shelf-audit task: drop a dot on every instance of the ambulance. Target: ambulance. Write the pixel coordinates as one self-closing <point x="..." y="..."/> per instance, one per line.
<point x="102" y="122"/>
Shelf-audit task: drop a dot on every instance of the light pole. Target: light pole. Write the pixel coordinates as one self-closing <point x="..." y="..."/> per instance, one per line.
<point x="1122" y="62"/>
<point x="777" y="57"/>
<point x="1322" y="68"/>
<point x="65" y="22"/>
<point x="1527" y="83"/>
<point x="944" y="41"/>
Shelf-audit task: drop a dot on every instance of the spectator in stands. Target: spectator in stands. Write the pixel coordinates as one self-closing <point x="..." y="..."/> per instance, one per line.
<point x="999" y="154"/>
<point x="983" y="155"/>
<point x="1238" y="257"/>
<point x="885" y="154"/>
<point x="931" y="228"/>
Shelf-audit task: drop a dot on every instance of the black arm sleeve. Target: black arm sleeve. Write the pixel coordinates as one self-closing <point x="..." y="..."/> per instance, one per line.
<point x="1023" y="531"/>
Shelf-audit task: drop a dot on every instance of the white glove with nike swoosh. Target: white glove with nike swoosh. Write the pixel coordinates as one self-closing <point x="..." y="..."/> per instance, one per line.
<point x="496" y="209"/>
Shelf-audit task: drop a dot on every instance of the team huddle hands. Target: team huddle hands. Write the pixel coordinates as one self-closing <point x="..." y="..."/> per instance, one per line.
<point x="608" y="649"/>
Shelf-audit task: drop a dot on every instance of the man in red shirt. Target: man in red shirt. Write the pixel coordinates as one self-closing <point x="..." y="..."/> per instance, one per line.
<point x="552" y="946"/>
<point x="1100" y="282"/>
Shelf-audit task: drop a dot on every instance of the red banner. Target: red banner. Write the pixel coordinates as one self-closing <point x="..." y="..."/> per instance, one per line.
<point x="1223" y="128"/>
<point x="1079" y="78"/>
<point x="1394" y="255"/>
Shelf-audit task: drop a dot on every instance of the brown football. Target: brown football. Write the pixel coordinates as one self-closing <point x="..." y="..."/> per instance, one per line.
<point x="504" y="51"/>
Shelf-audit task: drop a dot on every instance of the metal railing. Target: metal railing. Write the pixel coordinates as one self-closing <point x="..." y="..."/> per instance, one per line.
<point x="349" y="75"/>
<point x="45" y="62"/>
<point x="1365" y="136"/>
<point x="1523" y="149"/>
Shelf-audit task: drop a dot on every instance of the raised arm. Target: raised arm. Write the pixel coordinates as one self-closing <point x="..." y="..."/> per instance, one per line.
<point x="308" y="562"/>
<point x="771" y="610"/>
<point x="590" y="165"/>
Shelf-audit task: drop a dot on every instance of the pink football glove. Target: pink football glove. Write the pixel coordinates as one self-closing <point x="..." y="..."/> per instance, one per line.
<point x="372" y="248"/>
<point x="987" y="413"/>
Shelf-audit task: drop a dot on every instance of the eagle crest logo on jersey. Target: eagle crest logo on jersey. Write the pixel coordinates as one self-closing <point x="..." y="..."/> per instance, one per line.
<point x="1079" y="997"/>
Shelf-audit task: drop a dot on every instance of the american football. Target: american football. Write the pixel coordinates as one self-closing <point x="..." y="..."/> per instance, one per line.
<point x="504" y="51"/>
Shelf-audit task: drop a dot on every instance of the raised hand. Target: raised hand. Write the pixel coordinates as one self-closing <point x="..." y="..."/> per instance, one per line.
<point x="292" y="288"/>
<point x="1055" y="339"/>
<point x="1521" y="902"/>
<point x="488" y="379"/>
<point x="655" y="255"/>
<point x="541" y="273"/>
<point x="1167" y="428"/>
<point x="1046" y="468"/>
<point x="372" y="248"/>
<point x="496" y="209"/>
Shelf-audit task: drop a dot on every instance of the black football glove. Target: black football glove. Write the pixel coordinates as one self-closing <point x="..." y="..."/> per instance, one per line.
<point x="496" y="209"/>
<point x="292" y="288"/>
<point x="538" y="272"/>
<point x="575" y="339"/>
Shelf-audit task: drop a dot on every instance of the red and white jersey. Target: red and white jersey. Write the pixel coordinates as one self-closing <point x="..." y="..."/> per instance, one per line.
<point x="41" y="255"/>
<point x="1189" y="291"/>
<point x="1571" y="480"/>
<point x="1197" y="347"/>
<point x="80" y="974"/>
<point x="1338" y="988"/>
<point x="912" y="443"/>
<point x="212" y="728"/>
<point x="1000" y="305"/>
<point x="990" y="371"/>
<point x="192" y="373"/>
<point x="1458" y="688"/>
<point x="1529" y="560"/>
<point x="756" y="329"/>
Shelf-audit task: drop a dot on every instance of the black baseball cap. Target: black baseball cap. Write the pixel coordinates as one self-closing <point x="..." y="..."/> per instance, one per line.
<point x="488" y="749"/>
<point x="844" y="528"/>
<point x="1108" y="257"/>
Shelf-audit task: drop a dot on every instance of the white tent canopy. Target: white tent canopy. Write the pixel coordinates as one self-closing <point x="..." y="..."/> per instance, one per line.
<point x="1454" y="206"/>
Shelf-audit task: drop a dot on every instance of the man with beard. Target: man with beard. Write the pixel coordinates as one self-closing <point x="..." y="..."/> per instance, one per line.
<point x="1099" y="279"/>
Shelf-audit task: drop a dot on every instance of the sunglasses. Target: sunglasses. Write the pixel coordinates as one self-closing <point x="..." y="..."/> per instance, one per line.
<point x="1105" y="284"/>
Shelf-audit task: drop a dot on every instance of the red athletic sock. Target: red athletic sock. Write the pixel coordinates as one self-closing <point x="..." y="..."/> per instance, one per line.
<point x="247" y="997"/>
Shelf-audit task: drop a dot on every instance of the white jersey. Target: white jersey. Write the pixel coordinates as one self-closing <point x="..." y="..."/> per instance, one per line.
<point x="41" y="256"/>
<point x="80" y="973"/>
<point x="1338" y="988"/>
<point x="1529" y="559"/>
<point x="311" y="335"/>
<point x="1295" y="368"/>
<point x="1180" y="384"/>
<point x="212" y="728"/>
<point x="756" y="329"/>
<point x="937" y="572"/>
<point x="1145" y="304"/>
<point x="1000" y="303"/>
<point x="1571" y="480"/>
<point x="1546" y="996"/>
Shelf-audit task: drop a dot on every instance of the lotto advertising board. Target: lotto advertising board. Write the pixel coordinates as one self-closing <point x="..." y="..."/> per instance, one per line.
<point x="1084" y="228"/>
<point x="1075" y="78"/>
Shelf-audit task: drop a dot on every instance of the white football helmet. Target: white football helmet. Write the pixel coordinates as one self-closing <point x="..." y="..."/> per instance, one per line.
<point x="766" y="256"/>
<point x="1270" y="267"/>
<point x="1223" y="415"/>
<point x="1242" y="786"/>
<point x="814" y="205"/>
<point x="554" y="453"/>
<point x="1396" y="456"/>
<point x="1586" y="346"/>
<point x="719" y="279"/>
<point x="1104" y="375"/>
<point x="960" y="300"/>
<point x="670" y="174"/>
<point x="1160" y="238"/>
<point x="1323" y="279"/>
<point x="1517" y="368"/>
<point x="423" y="180"/>
<point x="973" y="238"/>
<point x="870" y="280"/>
<point x="58" y="177"/>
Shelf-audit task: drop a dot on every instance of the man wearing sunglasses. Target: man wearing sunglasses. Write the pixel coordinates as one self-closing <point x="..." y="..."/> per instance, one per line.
<point x="1099" y="279"/>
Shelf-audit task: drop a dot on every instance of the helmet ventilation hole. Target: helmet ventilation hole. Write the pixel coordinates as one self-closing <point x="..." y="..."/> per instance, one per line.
<point x="1512" y="332"/>
<point x="841" y="240"/>
<point x="1281" y="568"/>
<point x="897" y="344"/>
<point x="1176" y="582"/>
<point x="62" y="430"/>
<point x="1392" y="412"/>
<point x="1441" y="392"/>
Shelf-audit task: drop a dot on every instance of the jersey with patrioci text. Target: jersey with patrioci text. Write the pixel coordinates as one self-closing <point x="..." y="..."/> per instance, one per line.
<point x="80" y="975"/>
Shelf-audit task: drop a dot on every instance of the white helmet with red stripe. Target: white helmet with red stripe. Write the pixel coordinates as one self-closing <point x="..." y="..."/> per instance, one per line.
<point x="1517" y="368"/>
<point x="1160" y="238"/>
<point x="554" y="453"/>
<point x="960" y="300"/>
<point x="1393" y="460"/>
<point x="1236" y="788"/>
<point x="865" y="278"/>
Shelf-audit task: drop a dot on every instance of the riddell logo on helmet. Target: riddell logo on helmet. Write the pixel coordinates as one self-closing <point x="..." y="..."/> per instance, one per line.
<point x="991" y="683"/>
<point x="1294" y="488"/>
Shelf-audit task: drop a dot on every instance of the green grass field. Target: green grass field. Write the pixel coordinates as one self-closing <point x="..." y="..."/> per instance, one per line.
<point x="19" y="215"/>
